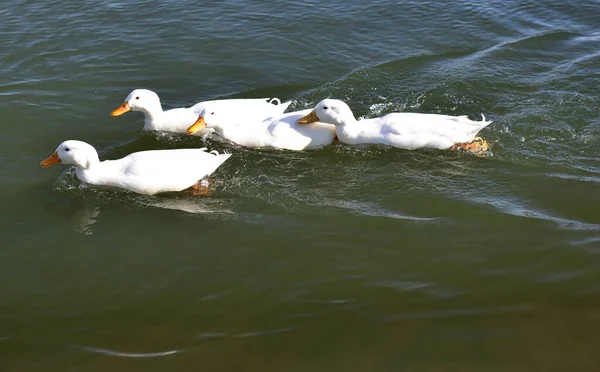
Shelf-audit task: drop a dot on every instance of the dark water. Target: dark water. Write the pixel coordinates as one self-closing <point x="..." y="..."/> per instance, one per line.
<point x="341" y="259"/>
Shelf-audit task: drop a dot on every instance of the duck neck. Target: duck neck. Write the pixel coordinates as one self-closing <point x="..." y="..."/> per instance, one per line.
<point x="346" y="121"/>
<point x="88" y="172"/>
<point x="151" y="114"/>
<point x="228" y="132"/>
<point x="347" y="128"/>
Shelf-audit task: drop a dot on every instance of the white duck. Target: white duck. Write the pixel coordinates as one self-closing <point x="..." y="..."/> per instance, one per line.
<point x="178" y="120"/>
<point x="403" y="130"/>
<point x="279" y="131"/>
<point x="144" y="172"/>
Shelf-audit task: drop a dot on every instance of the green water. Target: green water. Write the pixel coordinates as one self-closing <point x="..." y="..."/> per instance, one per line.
<point x="340" y="259"/>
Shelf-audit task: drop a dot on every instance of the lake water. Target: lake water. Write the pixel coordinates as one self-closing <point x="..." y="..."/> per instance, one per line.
<point x="339" y="259"/>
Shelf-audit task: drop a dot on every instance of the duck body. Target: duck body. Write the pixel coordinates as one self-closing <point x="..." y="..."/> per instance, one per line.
<point x="280" y="131"/>
<point x="178" y="120"/>
<point x="145" y="172"/>
<point x="403" y="130"/>
<point x="411" y="131"/>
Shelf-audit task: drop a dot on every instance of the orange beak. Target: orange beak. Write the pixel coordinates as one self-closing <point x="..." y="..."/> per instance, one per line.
<point x="310" y="118"/>
<point x="121" y="109"/>
<point x="199" y="124"/>
<point x="50" y="160"/>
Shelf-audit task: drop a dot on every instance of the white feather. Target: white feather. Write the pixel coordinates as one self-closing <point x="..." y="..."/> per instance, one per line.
<point x="280" y="131"/>
<point x="144" y="172"/>
<point x="403" y="130"/>
<point x="178" y="120"/>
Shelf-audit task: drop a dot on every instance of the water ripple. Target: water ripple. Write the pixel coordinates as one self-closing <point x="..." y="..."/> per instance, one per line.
<point x="401" y="285"/>
<point x="129" y="355"/>
<point x="509" y="207"/>
<point x="460" y="313"/>
<point x="212" y="335"/>
<point x="371" y="210"/>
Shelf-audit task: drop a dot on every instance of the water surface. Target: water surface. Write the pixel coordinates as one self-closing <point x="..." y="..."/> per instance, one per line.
<point x="340" y="259"/>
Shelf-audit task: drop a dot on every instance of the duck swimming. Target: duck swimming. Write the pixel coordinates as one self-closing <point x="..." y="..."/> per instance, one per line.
<point x="178" y="120"/>
<point x="403" y="130"/>
<point x="279" y="131"/>
<point x="145" y="172"/>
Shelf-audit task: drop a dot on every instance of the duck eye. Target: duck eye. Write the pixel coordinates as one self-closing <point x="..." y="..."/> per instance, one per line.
<point x="325" y="108"/>
<point x="67" y="149"/>
<point x="212" y="113"/>
<point x="137" y="97"/>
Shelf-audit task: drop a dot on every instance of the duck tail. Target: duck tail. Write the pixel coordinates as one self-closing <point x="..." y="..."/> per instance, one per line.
<point x="484" y="121"/>
<point x="480" y="125"/>
<point x="215" y="152"/>
<point x="224" y="156"/>
<point x="281" y="106"/>
<point x="284" y="106"/>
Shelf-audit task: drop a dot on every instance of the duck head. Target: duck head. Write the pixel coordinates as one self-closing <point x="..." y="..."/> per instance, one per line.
<point x="215" y="117"/>
<point x="143" y="100"/>
<point x="71" y="152"/>
<point x="203" y="121"/>
<point x="330" y="111"/>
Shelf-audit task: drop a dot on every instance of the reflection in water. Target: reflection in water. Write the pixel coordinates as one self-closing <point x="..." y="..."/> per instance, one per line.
<point x="195" y="205"/>
<point x="87" y="214"/>
<point x="84" y="218"/>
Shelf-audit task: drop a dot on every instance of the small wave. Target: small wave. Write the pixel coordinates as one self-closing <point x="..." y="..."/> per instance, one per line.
<point x="514" y="209"/>
<point x="368" y="209"/>
<point x="426" y="289"/>
<point x="335" y="302"/>
<point x="128" y="355"/>
<point x="592" y="240"/>
<point x="264" y="333"/>
<point x="215" y="296"/>
<point x="397" y="216"/>
<point x="401" y="286"/>
<point x="420" y="59"/>
<point x="211" y="335"/>
<point x="594" y="179"/>
<point x="459" y="313"/>
<point x="344" y="306"/>
<point x="558" y="277"/>
<point x="539" y="39"/>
